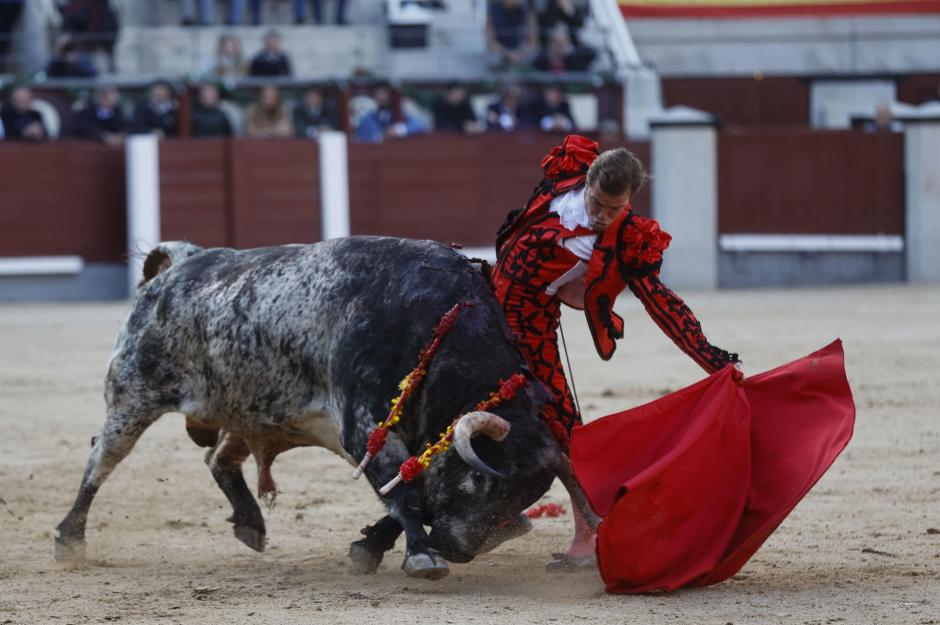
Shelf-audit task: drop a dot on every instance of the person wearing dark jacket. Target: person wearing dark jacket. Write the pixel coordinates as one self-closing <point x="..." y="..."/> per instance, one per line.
<point x="453" y="111"/>
<point x="20" y="121"/>
<point x="157" y="113"/>
<point x="560" y="40"/>
<point x="507" y="113"/>
<point x="95" y="22"/>
<point x="208" y="120"/>
<point x="10" y="11"/>
<point x="551" y="111"/>
<point x="314" y="114"/>
<point x="102" y="119"/>
<point x="271" y="61"/>
<point x="561" y="12"/>
<point x="70" y="62"/>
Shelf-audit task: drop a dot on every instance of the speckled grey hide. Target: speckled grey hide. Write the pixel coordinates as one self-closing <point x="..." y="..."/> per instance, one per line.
<point x="298" y="345"/>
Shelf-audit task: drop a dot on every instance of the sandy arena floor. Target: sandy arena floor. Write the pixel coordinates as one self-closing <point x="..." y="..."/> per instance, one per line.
<point x="863" y="547"/>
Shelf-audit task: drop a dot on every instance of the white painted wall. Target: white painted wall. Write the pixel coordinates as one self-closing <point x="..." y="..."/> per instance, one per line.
<point x="143" y="203"/>
<point x="685" y="201"/>
<point x="833" y="103"/>
<point x="334" y="185"/>
<point x="922" y="193"/>
<point x="803" y="46"/>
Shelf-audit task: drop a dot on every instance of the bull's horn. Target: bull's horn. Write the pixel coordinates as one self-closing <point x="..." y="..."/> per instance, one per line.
<point x="471" y="423"/>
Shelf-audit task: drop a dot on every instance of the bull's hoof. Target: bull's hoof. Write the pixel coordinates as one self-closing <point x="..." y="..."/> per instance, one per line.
<point x="70" y="551"/>
<point x="364" y="561"/>
<point x="425" y="566"/>
<point x="250" y="536"/>
<point x="515" y="528"/>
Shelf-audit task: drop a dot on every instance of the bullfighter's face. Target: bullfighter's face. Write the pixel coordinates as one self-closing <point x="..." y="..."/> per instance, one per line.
<point x="603" y="208"/>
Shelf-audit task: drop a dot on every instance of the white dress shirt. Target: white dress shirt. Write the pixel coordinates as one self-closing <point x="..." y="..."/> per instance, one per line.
<point x="572" y="213"/>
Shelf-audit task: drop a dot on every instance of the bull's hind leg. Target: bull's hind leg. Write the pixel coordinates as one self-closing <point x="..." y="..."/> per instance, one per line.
<point x="115" y="440"/>
<point x="225" y="461"/>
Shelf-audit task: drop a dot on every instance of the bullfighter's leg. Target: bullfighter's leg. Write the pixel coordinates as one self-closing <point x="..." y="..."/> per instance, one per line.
<point x="581" y="552"/>
<point x="540" y="350"/>
<point x="115" y="440"/>
<point x="366" y="554"/>
<point x="225" y="461"/>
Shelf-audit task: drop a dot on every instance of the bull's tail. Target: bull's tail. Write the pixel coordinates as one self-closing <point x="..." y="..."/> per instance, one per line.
<point x="164" y="256"/>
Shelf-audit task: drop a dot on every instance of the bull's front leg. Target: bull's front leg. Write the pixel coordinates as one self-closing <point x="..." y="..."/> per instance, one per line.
<point x="406" y="508"/>
<point x="406" y="505"/>
<point x="367" y="553"/>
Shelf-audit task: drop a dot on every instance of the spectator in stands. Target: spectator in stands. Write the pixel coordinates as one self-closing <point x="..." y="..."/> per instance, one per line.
<point x="314" y="114"/>
<point x="567" y="16"/>
<point x="228" y="65"/>
<point x="561" y="12"/>
<point x="453" y="112"/>
<point x="883" y="121"/>
<point x="158" y="113"/>
<point x="236" y="9"/>
<point x="20" y="121"/>
<point x="10" y="11"/>
<point x="208" y="120"/>
<point x="95" y="23"/>
<point x="506" y="114"/>
<point x="70" y="61"/>
<point x="318" y="11"/>
<point x="383" y="123"/>
<point x="561" y="55"/>
<point x="551" y="112"/>
<point x="102" y="119"/>
<point x="271" y="61"/>
<point x="510" y="34"/>
<point x="267" y="116"/>
<point x="189" y="9"/>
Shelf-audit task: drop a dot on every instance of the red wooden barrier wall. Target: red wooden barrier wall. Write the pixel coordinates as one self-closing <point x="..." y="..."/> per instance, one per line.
<point x="775" y="101"/>
<point x="195" y="193"/>
<point x="240" y="192"/>
<point x="810" y="182"/>
<point x="62" y="198"/>
<point x="449" y="188"/>
<point x="69" y="197"/>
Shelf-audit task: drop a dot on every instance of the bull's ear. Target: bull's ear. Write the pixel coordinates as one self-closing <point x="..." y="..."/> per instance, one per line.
<point x="164" y="255"/>
<point x="157" y="260"/>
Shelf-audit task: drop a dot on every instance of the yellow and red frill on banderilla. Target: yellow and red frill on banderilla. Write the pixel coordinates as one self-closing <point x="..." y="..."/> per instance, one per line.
<point x="412" y="467"/>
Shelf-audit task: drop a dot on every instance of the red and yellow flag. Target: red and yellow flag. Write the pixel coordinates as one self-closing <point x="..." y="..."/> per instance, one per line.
<point x="770" y="8"/>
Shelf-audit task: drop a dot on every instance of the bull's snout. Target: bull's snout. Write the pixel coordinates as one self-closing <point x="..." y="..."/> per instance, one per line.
<point x="452" y="554"/>
<point x="450" y="547"/>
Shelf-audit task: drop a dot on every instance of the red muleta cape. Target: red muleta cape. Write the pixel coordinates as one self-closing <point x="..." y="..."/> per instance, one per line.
<point x="689" y="486"/>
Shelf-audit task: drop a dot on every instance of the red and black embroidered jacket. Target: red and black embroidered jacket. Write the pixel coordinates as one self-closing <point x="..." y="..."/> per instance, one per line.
<point x="628" y="255"/>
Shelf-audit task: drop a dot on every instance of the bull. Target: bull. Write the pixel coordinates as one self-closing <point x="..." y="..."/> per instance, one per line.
<point x="268" y="349"/>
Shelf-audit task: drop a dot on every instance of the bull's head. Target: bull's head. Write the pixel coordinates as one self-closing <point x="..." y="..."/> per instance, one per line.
<point x="476" y="494"/>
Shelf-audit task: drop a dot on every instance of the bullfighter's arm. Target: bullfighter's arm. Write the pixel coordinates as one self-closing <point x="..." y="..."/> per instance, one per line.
<point x="675" y="319"/>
